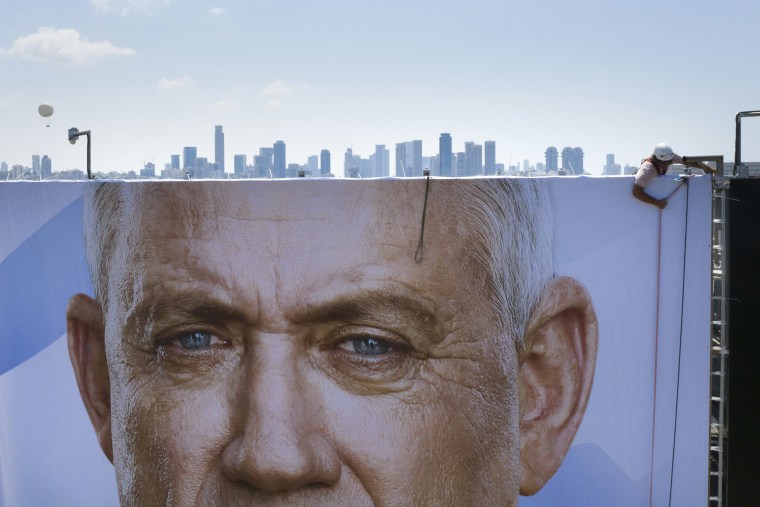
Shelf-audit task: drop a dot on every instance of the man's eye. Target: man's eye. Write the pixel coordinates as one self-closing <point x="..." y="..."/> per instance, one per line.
<point x="366" y="345"/>
<point x="197" y="340"/>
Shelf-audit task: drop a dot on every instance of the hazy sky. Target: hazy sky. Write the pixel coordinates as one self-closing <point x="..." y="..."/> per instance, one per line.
<point x="149" y="77"/>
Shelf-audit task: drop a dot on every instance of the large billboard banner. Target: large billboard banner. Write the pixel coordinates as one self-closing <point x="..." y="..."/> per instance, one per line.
<point x="475" y="341"/>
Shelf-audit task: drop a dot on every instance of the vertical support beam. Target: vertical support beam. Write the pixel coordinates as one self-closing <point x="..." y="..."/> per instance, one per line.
<point x="738" y="142"/>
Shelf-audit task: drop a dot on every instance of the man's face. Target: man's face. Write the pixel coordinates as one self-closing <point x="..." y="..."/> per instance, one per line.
<point x="264" y="353"/>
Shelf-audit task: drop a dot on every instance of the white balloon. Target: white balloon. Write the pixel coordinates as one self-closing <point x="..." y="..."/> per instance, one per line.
<point x="45" y="110"/>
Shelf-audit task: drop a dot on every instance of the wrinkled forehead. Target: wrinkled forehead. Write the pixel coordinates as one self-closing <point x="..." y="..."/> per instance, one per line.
<point x="279" y="201"/>
<point x="376" y="208"/>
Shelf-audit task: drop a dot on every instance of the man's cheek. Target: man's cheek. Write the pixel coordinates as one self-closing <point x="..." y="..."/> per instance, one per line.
<point x="175" y="433"/>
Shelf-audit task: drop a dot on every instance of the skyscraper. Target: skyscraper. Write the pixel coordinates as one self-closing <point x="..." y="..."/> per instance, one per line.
<point x="382" y="162"/>
<point x="489" y="167"/>
<point x="551" y="159"/>
<point x="291" y="171"/>
<point x="175" y="162"/>
<point x="572" y="160"/>
<point x="445" y="155"/>
<point x="279" y="164"/>
<point x="240" y="162"/>
<point x="611" y="168"/>
<point x="46" y="167"/>
<point x="578" y="160"/>
<point x="348" y="163"/>
<point x="36" y="164"/>
<point x="262" y="166"/>
<point x="409" y="158"/>
<point x="219" y="147"/>
<point x="324" y="161"/>
<point x="312" y="164"/>
<point x="416" y="157"/>
<point x="401" y="160"/>
<point x="568" y="159"/>
<point x="190" y="155"/>
<point x="460" y="161"/>
<point x="474" y="158"/>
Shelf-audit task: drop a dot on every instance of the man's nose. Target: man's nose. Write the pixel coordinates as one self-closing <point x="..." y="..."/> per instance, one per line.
<point x="280" y="443"/>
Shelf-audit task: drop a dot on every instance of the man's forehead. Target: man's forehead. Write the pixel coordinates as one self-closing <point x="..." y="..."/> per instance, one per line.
<point x="370" y="205"/>
<point x="267" y="200"/>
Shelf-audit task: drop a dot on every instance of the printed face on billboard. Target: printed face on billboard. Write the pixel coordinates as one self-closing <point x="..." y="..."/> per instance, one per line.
<point x="280" y="343"/>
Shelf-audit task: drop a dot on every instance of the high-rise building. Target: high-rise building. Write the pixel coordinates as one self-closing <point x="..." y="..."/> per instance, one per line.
<point x="382" y="162"/>
<point x="279" y="163"/>
<point x="568" y="159"/>
<point x="291" y="171"/>
<point x="190" y="155"/>
<point x="401" y="160"/>
<point x="460" y="164"/>
<point x="36" y="164"/>
<point x="175" y="162"/>
<point x="348" y="164"/>
<point x="267" y="152"/>
<point x="445" y="155"/>
<point x="611" y="168"/>
<point x="578" y="160"/>
<point x="409" y="158"/>
<point x="572" y="160"/>
<point x="219" y="147"/>
<point x="312" y="164"/>
<point x="324" y="163"/>
<point x="148" y="171"/>
<point x="415" y="157"/>
<point x="489" y="167"/>
<point x="240" y="160"/>
<point x="474" y="158"/>
<point x="46" y="167"/>
<point x="435" y="165"/>
<point x="262" y="166"/>
<point x="552" y="157"/>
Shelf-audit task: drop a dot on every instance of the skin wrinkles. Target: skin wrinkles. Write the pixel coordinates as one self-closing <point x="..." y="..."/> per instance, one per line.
<point x="337" y="370"/>
<point x="271" y="325"/>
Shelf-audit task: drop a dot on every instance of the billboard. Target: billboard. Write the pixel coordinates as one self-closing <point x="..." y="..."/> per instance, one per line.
<point x="354" y="342"/>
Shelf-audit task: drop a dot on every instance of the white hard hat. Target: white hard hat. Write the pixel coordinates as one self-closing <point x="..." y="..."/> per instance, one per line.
<point x="663" y="152"/>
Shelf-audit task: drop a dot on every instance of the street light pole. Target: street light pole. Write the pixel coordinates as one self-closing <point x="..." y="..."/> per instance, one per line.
<point x="73" y="136"/>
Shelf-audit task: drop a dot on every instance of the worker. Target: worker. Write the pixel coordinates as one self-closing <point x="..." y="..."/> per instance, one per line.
<point x="657" y="164"/>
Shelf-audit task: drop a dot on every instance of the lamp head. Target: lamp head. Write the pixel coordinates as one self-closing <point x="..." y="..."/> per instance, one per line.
<point x="73" y="135"/>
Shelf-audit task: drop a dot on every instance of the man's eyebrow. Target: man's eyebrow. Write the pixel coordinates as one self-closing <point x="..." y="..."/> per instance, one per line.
<point x="369" y="306"/>
<point x="187" y="304"/>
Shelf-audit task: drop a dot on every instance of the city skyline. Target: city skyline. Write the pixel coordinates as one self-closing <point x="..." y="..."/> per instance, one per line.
<point x="271" y="162"/>
<point x="339" y="75"/>
<point x="410" y="163"/>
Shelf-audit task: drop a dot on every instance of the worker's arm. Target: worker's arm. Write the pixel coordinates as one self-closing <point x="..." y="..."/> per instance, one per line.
<point x="699" y="165"/>
<point x="640" y="194"/>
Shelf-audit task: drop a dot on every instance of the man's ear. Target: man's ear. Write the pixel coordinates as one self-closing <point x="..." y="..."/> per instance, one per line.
<point x="555" y="377"/>
<point x="86" y="335"/>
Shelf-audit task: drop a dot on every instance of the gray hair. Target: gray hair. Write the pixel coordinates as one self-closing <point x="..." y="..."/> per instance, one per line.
<point x="510" y="222"/>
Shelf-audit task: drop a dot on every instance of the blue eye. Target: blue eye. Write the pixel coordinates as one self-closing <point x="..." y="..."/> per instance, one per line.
<point x="366" y="345"/>
<point x="195" y="340"/>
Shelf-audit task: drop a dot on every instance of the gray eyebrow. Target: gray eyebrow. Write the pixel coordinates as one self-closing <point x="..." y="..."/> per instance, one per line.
<point x="367" y="305"/>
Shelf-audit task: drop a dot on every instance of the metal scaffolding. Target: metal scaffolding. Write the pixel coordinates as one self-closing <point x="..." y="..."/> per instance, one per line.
<point x="719" y="345"/>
